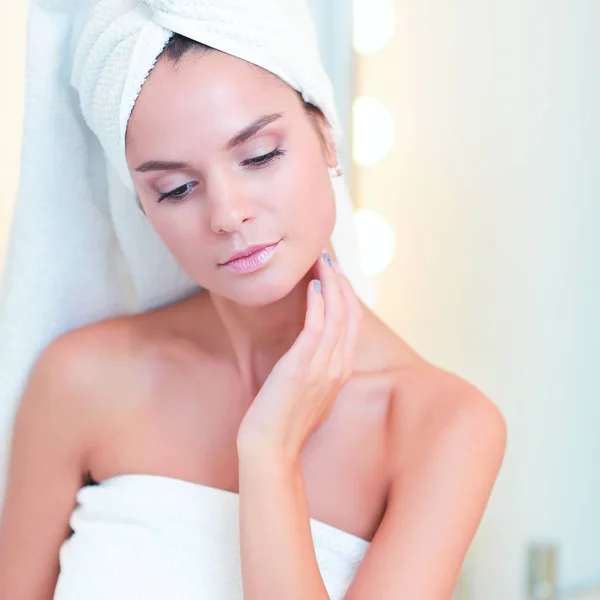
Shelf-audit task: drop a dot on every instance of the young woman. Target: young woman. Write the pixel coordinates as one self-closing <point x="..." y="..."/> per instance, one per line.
<point x="276" y="388"/>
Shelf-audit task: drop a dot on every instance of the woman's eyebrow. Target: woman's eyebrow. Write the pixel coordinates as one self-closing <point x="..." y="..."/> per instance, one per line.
<point x="252" y="129"/>
<point x="161" y="165"/>
<point x="239" y="138"/>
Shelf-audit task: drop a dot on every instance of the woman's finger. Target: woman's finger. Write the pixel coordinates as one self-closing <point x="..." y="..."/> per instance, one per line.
<point x="335" y="316"/>
<point x="343" y="355"/>
<point x="353" y="323"/>
<point x="308" y="340"/>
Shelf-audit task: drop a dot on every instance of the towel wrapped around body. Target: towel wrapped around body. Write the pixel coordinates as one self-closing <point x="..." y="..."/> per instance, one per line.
<point x="145" y="537"/>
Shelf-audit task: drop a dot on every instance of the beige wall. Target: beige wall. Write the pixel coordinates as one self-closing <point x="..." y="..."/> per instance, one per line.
<point x="492" y="189"/>
<point x="12" y="83"/>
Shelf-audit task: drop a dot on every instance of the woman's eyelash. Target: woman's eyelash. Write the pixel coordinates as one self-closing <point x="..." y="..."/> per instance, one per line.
<point x="266" y="158"/>
<point x="254" y="163"/>
<point x="173" y="194"/>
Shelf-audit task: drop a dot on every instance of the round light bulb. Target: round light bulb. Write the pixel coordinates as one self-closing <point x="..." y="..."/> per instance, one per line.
<point x="374" y="24"/>
<point x="376" y="240"/>
<point x="374" y="130"/>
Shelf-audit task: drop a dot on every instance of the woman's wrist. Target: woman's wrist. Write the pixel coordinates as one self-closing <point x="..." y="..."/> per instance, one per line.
<point x="259" y="445"/>
<point x="256" y="452"/>
<point x="266" y="469"/>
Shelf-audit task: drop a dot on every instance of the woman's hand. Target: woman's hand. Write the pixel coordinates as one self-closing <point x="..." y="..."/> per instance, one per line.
<point x="304" y="384"/>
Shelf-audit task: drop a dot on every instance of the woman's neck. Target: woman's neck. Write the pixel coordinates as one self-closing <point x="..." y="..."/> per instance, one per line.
<point x="260" y="336"/>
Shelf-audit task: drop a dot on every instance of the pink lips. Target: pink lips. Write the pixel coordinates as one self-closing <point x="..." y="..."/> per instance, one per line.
<point x="252" y="262"/>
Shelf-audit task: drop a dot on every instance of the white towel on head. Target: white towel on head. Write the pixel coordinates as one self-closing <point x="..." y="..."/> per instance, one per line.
<point x="80" y="249"/>
<point x="121" y="40"/>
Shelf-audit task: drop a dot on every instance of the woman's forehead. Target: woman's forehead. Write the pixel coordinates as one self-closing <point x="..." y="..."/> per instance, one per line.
<point x="210" y="92"/>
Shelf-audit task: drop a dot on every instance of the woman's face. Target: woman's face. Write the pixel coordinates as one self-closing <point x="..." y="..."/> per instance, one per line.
<point x="231" y="190"/>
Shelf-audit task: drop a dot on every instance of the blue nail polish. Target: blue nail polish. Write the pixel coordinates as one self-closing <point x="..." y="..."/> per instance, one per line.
<point x="317" y="285"/>
<point x="327" y="258"/>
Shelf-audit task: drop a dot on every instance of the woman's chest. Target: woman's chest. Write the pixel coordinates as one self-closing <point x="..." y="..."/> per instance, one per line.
<point x="192" y="434"/>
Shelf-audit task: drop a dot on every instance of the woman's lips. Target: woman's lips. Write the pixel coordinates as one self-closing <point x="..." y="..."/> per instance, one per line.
<point x="252" y="262"/>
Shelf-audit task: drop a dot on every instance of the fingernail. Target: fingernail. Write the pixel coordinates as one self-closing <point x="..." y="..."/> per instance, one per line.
<point x="327" y="258"/>
<point x="317" y="284"/>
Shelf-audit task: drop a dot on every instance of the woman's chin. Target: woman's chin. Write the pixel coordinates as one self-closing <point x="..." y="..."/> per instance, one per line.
<point x="263" y="295"/>
<point x="260" y="291"/>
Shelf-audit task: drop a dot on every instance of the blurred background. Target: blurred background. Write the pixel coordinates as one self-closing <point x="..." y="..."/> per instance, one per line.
<point x="473" y="154"/>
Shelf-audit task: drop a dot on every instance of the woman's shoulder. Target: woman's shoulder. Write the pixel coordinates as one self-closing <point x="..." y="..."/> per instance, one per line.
<point x="66" y="392"/>
<point x="428" y="405"/>
<point x="435" y="411"/>
<point x="94" y="353"/>
<point x="115" y="355"/>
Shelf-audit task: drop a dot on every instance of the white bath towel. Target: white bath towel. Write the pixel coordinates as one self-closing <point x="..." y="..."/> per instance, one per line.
<point x="80" y="249"/>
<point x="144" y="537"/>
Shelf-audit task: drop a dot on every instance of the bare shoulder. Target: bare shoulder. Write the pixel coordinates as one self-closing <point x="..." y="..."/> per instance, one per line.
<point x="116" y="365"/>
<point x="436" y="411"/>
<point x="93" y="358"/>
<point x="430" y="408"/>
<point x="71" y="372"/>
<point x="65" y="393"/>
<point x="78" y="379"/>
<point x="119" y="359"/>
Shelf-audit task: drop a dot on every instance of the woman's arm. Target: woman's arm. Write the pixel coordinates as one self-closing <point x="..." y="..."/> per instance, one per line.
<point x="446" y="445"/>
<point x="448" y="458"/>
<point x="45" y="472"/>
<point x="449" y="454"/>
<point x="278" y="556"/>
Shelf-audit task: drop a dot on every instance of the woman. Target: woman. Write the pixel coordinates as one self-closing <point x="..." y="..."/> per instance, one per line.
<point x="276" y="389"/>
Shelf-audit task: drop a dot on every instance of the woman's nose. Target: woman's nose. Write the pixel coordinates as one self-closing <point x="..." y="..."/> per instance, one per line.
<point x="229" y="203"/>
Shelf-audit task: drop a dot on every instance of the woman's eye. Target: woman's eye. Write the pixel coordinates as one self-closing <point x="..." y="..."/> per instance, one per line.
<point x="259" y="162"/>
<point x="265" y="159"/>
<point x="177" y="194"/>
